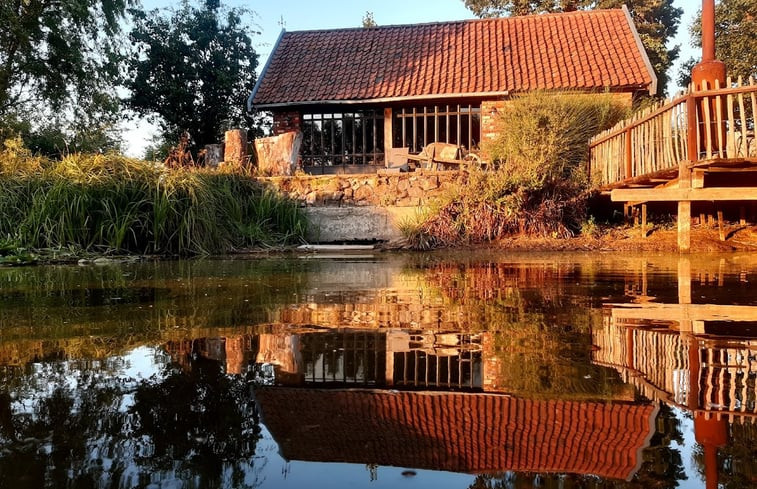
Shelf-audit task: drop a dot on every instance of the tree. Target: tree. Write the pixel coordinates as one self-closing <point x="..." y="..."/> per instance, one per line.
<point x="368" y="20"/>
<point x="193" y="69"/>
<point x="735" y="39"/>
<point x="59" y="65"/>
<point x="50" y="49"/>
<point x="656" y="20"/>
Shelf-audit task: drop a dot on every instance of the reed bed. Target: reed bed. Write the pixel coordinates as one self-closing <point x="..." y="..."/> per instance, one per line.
<point x="110" y="203"/>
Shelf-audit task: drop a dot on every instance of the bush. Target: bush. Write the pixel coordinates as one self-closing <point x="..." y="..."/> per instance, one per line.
<point x="543" y="137"/>
<point x="112" y="203"/>
<point x="538" y="185"/>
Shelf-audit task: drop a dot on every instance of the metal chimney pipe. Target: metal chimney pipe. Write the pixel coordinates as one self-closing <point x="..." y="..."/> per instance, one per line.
<point x="708" y="30"/>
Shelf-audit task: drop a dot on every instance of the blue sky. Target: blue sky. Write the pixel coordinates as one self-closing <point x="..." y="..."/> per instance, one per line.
<point x="325" y="14"/>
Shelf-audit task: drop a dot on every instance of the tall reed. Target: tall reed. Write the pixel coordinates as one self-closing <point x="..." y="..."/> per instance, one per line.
<point x="110" y="203"/>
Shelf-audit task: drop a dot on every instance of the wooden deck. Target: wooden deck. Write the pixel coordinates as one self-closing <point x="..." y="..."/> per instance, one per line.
<point x="697" y="147"/>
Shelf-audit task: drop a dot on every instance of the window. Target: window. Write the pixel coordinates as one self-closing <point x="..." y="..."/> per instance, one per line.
<point x="418" y="126"/>
<point x="339" y="139"/>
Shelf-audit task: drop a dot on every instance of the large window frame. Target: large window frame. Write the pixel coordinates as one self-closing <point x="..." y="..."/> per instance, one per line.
<point x="416" y="127"/>
<point x="334" y="140"/>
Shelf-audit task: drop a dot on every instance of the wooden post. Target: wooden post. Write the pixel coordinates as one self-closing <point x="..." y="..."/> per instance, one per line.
<point x="235" y="147"/>
<point x="684" y="280"/>
<point x="685" y="325"/>
<point x="213" y="155"/>
<point x="388" y="137"/>
<point x="742" y="216"/>
<point x="684" y="176"/>
<point x="721" y="227"/>
<point x="702" y="220"/>
<point x="643" y="220"/>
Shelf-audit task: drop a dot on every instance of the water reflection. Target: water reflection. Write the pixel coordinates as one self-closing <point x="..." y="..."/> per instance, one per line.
<point x="554" y="371"/>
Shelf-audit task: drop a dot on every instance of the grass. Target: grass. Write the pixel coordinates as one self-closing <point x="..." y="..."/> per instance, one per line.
<point x="113" y="204"/>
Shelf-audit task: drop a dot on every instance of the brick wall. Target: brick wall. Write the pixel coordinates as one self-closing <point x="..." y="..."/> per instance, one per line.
<point x="285" y="122"/>
<point x="489" y="109"/>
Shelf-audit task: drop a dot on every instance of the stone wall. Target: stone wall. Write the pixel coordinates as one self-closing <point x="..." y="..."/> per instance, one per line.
<point x="384" y="190"/>
<point x="369" y="207"/>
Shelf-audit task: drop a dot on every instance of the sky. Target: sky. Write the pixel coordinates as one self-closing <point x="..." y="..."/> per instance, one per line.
<point x="296" y="15"/>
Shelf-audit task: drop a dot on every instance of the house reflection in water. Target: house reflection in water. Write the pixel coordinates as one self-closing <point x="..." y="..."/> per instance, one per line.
<point x="449" y="413"/>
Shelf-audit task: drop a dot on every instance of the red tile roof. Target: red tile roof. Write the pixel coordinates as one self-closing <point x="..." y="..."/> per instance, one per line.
<point x="580" y="50"/>
<point x="473" y="433"/>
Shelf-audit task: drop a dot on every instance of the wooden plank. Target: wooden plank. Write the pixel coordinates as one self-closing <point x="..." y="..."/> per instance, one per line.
<point x="686" y="195"/>
<point x="686" y="312"/>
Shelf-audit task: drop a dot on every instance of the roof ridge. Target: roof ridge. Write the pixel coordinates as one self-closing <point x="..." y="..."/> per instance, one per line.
<point x="459" y="21"/>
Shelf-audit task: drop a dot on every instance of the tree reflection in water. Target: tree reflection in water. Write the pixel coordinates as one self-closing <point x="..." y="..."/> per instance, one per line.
<point x="198" y="427"/>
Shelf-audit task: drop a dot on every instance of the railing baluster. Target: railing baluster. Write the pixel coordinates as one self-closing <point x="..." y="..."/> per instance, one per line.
<point x="751" y="146"/>
<point x="718" y="117"/>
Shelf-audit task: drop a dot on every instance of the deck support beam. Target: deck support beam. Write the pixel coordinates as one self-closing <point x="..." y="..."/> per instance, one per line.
<point x="714" y="194"/>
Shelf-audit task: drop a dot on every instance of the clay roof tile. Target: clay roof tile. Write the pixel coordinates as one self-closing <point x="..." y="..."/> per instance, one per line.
<point x="586" y="49"/>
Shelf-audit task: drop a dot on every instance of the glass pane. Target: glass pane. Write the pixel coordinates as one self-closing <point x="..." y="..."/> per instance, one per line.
<point x="464" y="131"/>
<point x="379" y="137"/>
<point x="397" y="131"/>
<point x="317" y="137"/>
<point x="476" y="131"/>
<point x="430" y="129"/>
<point x="368" y="135"/>
<point x="349" y="133"/>
<point x="338" y="149"/>
<point x="419" y="141"/>
<point x="452" y="135"/>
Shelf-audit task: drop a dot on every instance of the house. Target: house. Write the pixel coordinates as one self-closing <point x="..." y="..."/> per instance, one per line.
<point x="355" y="94"/>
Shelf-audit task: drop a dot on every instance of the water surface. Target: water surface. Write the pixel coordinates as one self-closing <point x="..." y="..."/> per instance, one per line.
<point x="465" y="370"/>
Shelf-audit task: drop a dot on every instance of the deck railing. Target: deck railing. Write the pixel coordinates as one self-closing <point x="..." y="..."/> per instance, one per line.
<point x="658" y="363"/>
<point x="658" y="138"/>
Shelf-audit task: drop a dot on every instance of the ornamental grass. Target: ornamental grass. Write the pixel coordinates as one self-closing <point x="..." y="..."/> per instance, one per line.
<point x="112" y="204"/>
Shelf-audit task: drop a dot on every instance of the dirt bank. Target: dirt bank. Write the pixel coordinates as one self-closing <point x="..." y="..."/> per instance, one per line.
<point x="738" y="238"/>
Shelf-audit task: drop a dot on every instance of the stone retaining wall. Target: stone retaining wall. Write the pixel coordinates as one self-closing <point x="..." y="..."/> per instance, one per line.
<point x="369" y="207"/>
<point x="383" y="190"/>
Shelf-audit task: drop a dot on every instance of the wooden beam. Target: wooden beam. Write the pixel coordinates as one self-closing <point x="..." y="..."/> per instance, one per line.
<point x="697" y="178"/>
<point x="684" y="312"/>
<point x="736" y="194"/>
<point x="724" y="162"/>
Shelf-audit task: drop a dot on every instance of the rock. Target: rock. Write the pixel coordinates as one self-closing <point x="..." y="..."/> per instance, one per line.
<point x="363" y="193"/>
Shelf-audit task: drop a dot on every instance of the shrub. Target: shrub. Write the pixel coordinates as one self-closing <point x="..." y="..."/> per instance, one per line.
<point x="538" y="185"/>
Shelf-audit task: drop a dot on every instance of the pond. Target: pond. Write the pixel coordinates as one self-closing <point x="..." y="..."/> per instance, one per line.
<point x="460" y="370"/>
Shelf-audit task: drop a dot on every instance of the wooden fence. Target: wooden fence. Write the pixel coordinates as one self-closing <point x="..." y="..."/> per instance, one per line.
<point x="715" y="122"/>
